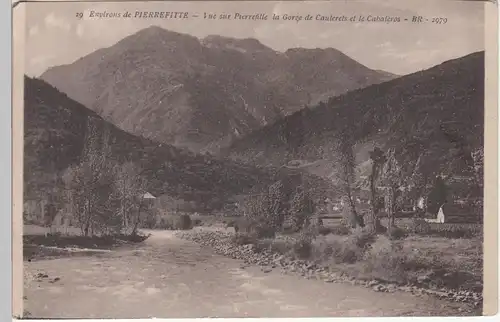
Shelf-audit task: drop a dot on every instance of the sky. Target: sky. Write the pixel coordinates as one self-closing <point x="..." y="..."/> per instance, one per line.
<point x="55" y="36"/>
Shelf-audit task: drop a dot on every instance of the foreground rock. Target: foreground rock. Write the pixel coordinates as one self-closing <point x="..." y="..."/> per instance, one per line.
<point x="223" y="244"/>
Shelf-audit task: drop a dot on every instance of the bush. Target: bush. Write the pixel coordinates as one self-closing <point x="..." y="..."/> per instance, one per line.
<point x="340" y="230"/>
<point x="454" y="231"/>
<point x="302" y="248"/>
<point x="150" y="222"/>
<point x="349" y="249"/>
<point x="183" y="222"/>
<point x="361" y="238"/>
<point x="288" y="229"/>
<point x="165" y="223"/>
<point x="279" y="246"/>
<point x="423" y="228"/>
<point x="268" y="208"/>
<point x="263" y="231"/>
<point x="243" y="239"/>
<point x="324" y="230"/>
<point x="419" y="226"/>
<point x="386" y="261"/>
<point x="341" y="250"/>
<point x="301" y="208"/>
<point x="135" y="238"/>
<point x="396" y="233"/>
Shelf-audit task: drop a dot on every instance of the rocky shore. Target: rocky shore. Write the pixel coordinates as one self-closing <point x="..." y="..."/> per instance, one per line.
<point x="222" y="243"/>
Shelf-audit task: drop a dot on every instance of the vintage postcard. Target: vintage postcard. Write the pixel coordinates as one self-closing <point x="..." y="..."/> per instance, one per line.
<point x="255" y="159"/>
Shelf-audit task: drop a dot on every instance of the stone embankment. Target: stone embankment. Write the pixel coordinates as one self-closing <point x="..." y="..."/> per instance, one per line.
<point x="223" y="244"/>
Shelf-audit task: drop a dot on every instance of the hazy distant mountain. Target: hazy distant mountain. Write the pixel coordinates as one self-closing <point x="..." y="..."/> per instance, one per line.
<point x="201" y="94"/>
<point x="55" y="128"/>
<point x="442" y="108"/>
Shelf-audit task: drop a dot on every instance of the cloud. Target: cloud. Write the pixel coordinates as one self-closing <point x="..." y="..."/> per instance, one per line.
<point x="39" y="63"/>
<point x="52" y="21"/>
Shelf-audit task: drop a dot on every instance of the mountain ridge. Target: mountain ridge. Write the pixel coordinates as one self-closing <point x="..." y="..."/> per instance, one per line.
<point x="432" y="105"/>
<point x="56" y="128"/>
<point x="201" y="94"/>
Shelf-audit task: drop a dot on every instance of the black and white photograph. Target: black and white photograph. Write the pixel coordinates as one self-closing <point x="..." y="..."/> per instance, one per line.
<point x="259" y="159"/>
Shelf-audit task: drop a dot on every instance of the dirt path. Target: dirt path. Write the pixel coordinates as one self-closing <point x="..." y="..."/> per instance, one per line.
<point x="167" y="277"/>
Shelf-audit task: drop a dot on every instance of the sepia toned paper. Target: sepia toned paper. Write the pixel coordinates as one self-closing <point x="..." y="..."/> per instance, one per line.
<point x="232" y="158"/>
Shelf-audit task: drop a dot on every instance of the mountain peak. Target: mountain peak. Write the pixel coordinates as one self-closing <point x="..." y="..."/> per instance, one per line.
<point x="174" y="88"/>
<point x="154" y="36"/>
<point x="244" y="45"/>
<point x="156" y="31"/>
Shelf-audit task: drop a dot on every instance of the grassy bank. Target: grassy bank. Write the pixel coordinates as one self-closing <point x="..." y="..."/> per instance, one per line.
<point x="57" y="245"/>
<point x="435" y="262"/>
<point x="447" y="267"/>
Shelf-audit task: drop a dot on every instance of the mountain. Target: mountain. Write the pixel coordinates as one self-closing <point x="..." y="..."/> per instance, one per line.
<point x="55" y="132"/>
<point x="202" y="94"/>
<point x="442" y="108"/>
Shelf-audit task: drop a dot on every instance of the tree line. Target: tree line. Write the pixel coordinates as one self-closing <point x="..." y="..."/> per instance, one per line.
<point x="102" y="195"/>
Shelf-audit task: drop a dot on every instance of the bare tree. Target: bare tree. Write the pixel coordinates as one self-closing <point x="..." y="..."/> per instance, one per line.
<point x="345" y="163"/>
<point x="128" y="189"/>
<point x="392" y="179"/>
<point x="88" y="184"/>
<point x="50" y="213"/>
<point x="301" y="208"/>
<point x="403" y="175"/>
<point x="378" y="159"/>
<point x="277" y="204"/>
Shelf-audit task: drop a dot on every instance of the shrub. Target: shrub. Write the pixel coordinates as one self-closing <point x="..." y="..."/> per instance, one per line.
<point x="340" y="230"/>
<point x="322" y="250"/>
<point x="276" y="205"/>
<point x="396" y="233"/>
<point x="243" y="239"/>
<point x="279" y="246"/>
<point x="342" y="251"/>
<point x="347" y="253"/>
<point x="324" y="231"/>
<point x="301" y="208"/>
<point x="135" y="238"/>
<point x="268" y="208"/>
<point x="165" y="223"/>
<point x="288" y="229"/>
<point x="150" y="222"/>
<point x="242" y="225"/>
<point x="386" y="260"/>
<point x="302" y="248"/>
<point x="423" y="228"/>
<point x="263" y="231"/>
<point x="361" y="238"/>
<point x="349" y="249"/>
<point x="419" y="226"/>
<point x="183" y="222"/>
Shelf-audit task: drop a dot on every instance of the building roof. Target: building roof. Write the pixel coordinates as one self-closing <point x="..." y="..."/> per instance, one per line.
<point x="147" y="195"/>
